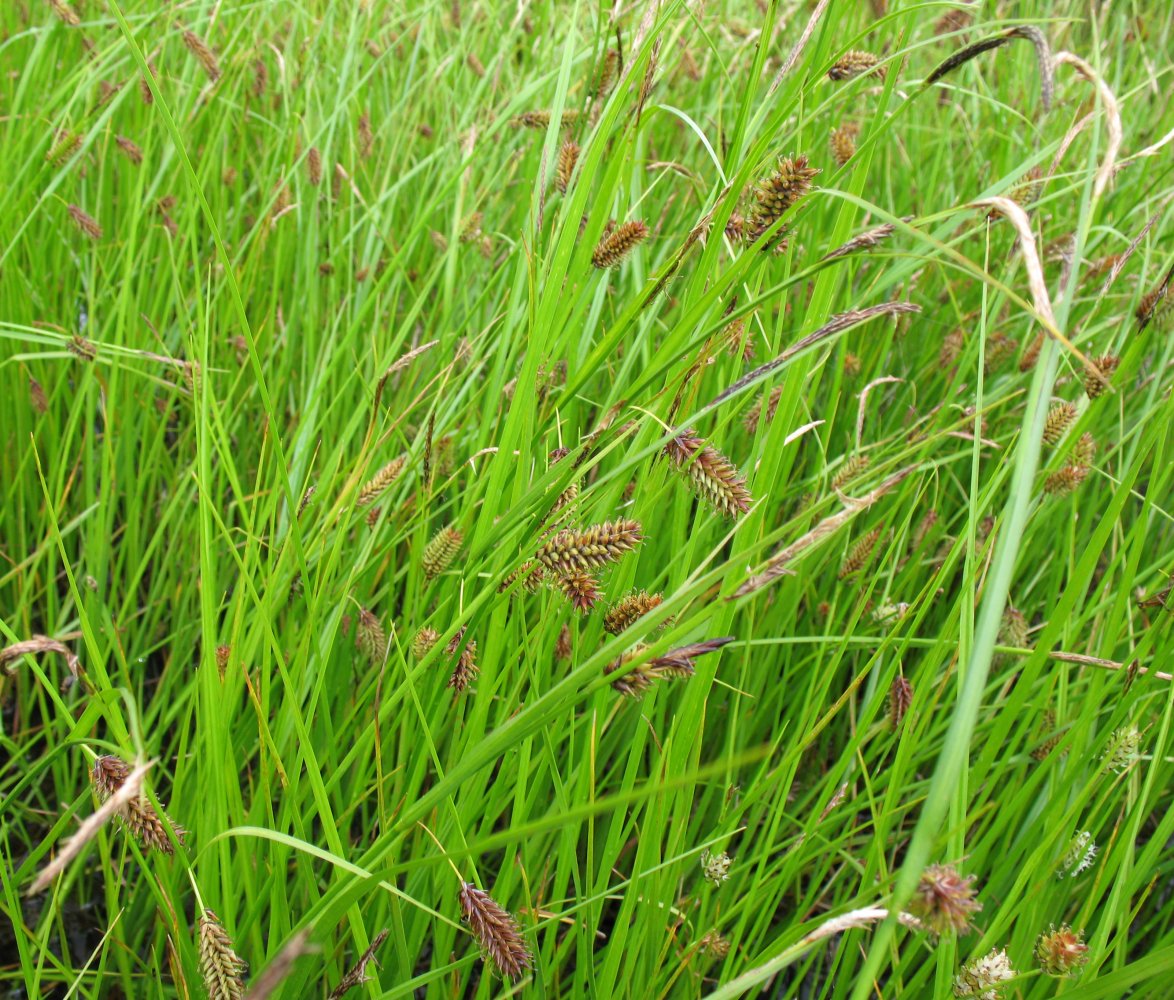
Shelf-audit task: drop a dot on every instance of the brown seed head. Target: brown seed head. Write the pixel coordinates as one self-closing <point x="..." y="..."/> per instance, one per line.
<point x="86" y="223"/>
<point x="132" y="152"/>
<point x="900" y="698"/>
<point x="562" y="647"/>
<point x="779" y="192"/>
<point x="842" y="142"/>
<point x="580" y="588"/>
<point x="541" y="119"/>
<point x="1065" y="480"/>
<point x="629" y="609"/>
<point x="466" y="666"/>
<point x="1031" y="355"/>
<point x="365" y="135"/>
<point x="496" y="931"/>
<point x="475" y="64"/>
<point x="440" y="552"/>
<point x="204" y="55"/>
<point x="677" y="664"/>
<point x="858" y="556"/>
<point x="1060" y="418"/>
<point x="65" y="13"/>
<point x="138" y="816"/>
<point x="710" y="475"/>
<point x="1107" y="363"/>
<point x="754" y="414"/>
<point x="616" y="245"/>
<point x="223" y="652"/>
<point x="356" y="975"/>
<point x="1061" y="952"/>
<point x="568" y="156"/>
<point x="944" y="900"/>
<point x="855" y="63"/>
<point x="1013" y="629"/>
<point x="260" y="77"/>
<point x="314" y="166"/>
<point x="1048" y="734"/>
<point x="222" y="968"/>
<point x="591" y="548"/>
<point x="380" y="481"/>
<point x="853" y="468"/>
<point x="82" y="348"/>
<point x="37" y="397"/>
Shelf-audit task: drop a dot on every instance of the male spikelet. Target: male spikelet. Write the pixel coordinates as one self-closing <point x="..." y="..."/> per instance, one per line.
<point x="496" y="931"/>
<point x="842" y="142"/>
<point x="86" y="223"/>
<point x="568" y="156"/>
<point x="629" y="609"/>
<point x="592" y="548"/>
<point x="900" y="698"/>
<point x="854" y="63"/>
<point x="440" y="551"/>
<point x="779" y="192"/>
<point x="710" y="475"/>
<point x="1093" y="386"/>
<point x="222" y="968"/>
<point x="314" y="166"/>
<point x="204" y="55"/>
<point x="1060" y="418"/>
<point x="944" y="900"/>
<point x="858" y="556"/>
<point x="677" y="664"/>
<point x="380" y="481"/>
<point x="138" y="816"/>
<point x="615" y="246"/>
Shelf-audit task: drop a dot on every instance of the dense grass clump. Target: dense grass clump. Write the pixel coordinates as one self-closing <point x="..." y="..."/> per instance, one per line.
<point x="553" y="499"/>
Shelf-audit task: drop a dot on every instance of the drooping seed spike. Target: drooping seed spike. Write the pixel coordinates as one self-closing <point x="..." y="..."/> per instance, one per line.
<point x="854" y="63"/>
<point x="591" y="548"/>
<point x="858" y="556"/>
<point x="615" y="246"/>
<point x="710" y="475"/>
<point x="629" y="609"/>
<point x="496" y="931"/>
<point x="440" y="551"/>
<point x="222" y="968"/>
<point x="1060" y="418"/>
<point x="380" y="481"/>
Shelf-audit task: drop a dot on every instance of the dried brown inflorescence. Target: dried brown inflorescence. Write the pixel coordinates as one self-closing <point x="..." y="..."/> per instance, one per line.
<point x="65" y="13"/>
<point x="314" y="166"/>
<point x="380" y="481"/>
<point x="441" y="551"/>
<point x="222" y="968"/>
<point x="629" y="609"/>
<point x="858" y="556"/>
<point x="568" y="156"/>
<point x="944" y="900"/>
<point x="615" y="246"/>
<point x="854" y="63"/>
<point x="204" y="55"/>
<point x="710" y="475"/>
<point x="842" y="142"/>
<point x="594" y="547"/>
<point x="779" y="192"/>
<point x="138" y="816"/>
<point x="129" y="149"/>
<point x="900" y="698"/>
<point x="465" y="668"/>
<point x="676" y="664"/>
<point x="86" y="223"/>
<point x="356" y="975"/>
<point x="496" y="931"/>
